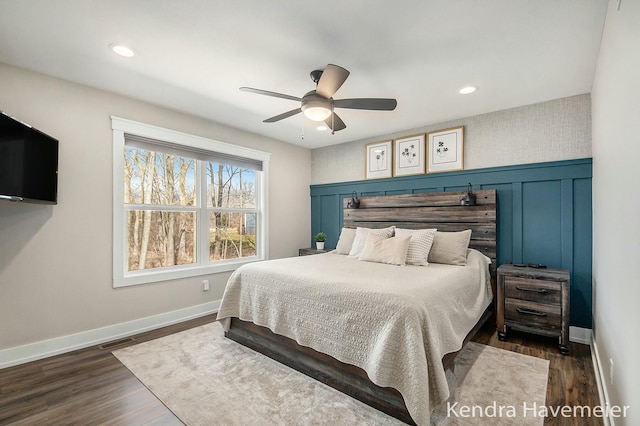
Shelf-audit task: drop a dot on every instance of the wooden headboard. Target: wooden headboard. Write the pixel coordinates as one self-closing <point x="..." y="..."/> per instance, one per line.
<point x="441" y="210"/>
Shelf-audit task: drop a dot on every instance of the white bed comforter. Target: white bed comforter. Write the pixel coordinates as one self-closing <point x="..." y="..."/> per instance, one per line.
<point x="395" y="322"/>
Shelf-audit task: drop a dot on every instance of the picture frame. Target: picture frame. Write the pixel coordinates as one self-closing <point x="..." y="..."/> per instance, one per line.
<point x="445" y="150"/>
<point x="409" y="155"/>
<point x="378" y="157"/>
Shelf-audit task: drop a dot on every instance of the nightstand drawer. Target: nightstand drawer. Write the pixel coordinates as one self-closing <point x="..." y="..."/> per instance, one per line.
<point x="548" y="292"/>
<point x="547" y="317"/>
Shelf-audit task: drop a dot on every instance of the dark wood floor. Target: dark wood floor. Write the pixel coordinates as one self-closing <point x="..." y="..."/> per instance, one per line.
<point x="90" y="386"/>
<point x="572" y="379"/>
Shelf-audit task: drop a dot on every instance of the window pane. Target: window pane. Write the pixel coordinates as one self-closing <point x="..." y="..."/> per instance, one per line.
<point x="158" y="178"/>
<point x="232" y="235"/>
<point x="230" y="186"/>
<point x="160" y="238"/>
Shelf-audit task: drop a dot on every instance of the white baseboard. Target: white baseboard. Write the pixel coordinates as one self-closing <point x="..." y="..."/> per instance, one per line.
<point x="59" y="345"/>
<point x="600" y="381"/>
<point x="580" y="335"/>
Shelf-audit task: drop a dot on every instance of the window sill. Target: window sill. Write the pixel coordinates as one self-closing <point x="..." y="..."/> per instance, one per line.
<point x="177" y="272"/>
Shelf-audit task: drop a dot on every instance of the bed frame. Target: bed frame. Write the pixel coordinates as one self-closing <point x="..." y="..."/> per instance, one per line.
<point x="441" y="210"/>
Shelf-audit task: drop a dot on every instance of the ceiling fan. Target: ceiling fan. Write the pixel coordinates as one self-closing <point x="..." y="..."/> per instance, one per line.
<point x="318" y="105"/>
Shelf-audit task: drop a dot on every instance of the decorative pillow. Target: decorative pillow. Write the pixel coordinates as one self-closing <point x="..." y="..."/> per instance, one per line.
<point x="347" y="235"/>
<point x="419" y="245"/>
<point x="361" y="237"/>
<point x="450" y="247"/>
<point x="385" y="250"/>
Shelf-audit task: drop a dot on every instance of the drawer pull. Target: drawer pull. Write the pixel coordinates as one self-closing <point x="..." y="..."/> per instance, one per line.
<point x="535" y="290"/>
<point x="529" y="312"/>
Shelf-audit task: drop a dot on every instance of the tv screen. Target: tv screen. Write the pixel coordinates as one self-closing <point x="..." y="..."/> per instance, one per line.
<point x="28" y="163"/>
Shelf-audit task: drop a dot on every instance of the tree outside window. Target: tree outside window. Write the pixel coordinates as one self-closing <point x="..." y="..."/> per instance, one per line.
<point x="162" y="209"/>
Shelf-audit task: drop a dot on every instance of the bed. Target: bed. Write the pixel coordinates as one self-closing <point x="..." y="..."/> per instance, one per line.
<point x="383" y="334"/>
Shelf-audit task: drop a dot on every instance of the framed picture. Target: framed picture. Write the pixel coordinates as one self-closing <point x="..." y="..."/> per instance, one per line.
<point x="445" y="150"/>
<point x="409" y="155"/>
<point x="378" y="160"/>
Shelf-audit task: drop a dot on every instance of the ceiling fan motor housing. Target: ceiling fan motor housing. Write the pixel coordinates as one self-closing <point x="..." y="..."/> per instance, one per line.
<point x="315" y="75"/>
<point x="315" y="106"/>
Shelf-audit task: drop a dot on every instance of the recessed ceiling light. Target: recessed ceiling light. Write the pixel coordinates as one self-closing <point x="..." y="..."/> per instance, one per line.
<point x="322" y="127"/>
<point x="122" y="50"/>
<point x="467" y="90"/>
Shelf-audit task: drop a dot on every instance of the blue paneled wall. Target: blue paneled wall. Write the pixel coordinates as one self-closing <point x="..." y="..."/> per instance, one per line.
<point x="544" y="214"/>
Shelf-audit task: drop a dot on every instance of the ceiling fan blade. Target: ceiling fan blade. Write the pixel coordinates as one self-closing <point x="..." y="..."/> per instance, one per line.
<point x="332" y="78"/>
<point x="379" y="104"/>
<point x="336" y="124"/>
<point x="268" y="93"/>
<point x="282" y="116"/>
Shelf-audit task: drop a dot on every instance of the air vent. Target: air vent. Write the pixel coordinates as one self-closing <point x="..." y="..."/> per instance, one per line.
<point x="115" y="343"/>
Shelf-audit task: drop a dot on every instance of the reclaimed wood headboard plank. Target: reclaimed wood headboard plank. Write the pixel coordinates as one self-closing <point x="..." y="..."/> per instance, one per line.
<point x="440" y="210"/>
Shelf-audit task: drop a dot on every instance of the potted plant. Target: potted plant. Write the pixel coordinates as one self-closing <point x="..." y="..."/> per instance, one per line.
<point x="320" y="238"/>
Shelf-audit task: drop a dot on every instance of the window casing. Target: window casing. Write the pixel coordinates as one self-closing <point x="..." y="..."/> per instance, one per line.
<point x="184" y="205"/>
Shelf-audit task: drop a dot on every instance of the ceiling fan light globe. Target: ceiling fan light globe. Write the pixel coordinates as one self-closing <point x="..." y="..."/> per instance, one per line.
<point x="316" y="113"/>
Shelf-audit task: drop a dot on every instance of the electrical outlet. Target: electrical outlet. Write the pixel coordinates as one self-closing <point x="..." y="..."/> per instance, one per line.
<point x="611" y="370"/>
<point x="205" y="285"/>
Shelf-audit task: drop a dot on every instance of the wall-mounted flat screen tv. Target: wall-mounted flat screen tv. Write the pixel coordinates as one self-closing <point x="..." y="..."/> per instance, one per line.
<point x="28" y="163"/>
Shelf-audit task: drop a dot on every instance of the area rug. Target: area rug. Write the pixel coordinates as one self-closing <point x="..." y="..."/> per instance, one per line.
<point x="205" y="379"/>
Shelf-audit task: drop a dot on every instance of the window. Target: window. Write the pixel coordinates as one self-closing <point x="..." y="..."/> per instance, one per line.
<point x="184" y="205"/>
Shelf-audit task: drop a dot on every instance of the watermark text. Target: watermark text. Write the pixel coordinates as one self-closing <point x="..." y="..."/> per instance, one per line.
<point x="495" y="410"/>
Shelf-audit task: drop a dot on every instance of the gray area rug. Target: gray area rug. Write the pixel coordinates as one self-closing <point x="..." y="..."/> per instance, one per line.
<point x="206" y="379"/>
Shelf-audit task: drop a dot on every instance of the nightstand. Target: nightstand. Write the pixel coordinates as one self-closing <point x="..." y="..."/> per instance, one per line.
<point x="534" y="300"/>
<point x="310" y="250"/>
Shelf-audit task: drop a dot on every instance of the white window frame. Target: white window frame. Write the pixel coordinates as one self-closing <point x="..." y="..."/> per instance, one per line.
<point x="202" y="266"/>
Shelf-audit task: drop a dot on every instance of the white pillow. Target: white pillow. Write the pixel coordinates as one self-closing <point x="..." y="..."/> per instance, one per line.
<point x="345" y="242"/>
<point x="450" y="247"/>
<point x="385" y="250"/>
<point x="419" y="245"/>
<point x="361" y="237"/>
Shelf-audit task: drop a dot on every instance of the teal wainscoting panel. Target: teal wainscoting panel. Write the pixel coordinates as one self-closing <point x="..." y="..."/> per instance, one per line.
<point x="516" y="223"/>
<point x="327" y="222"/>
<point x="541" y="223"/>
<point x="544" y="214"/>
<point x="581" y="295"/>
<point x="316" y="218"/>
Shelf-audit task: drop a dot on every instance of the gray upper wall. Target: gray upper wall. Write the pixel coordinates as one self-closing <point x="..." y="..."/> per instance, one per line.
<point x="549" y="131"/>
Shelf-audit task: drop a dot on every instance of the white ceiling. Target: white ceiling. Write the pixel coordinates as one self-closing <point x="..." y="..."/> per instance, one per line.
<point x="193" y="55"/>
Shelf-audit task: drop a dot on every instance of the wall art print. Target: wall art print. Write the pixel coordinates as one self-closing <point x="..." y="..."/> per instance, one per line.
<point x="445" y="150"/>
<point x="378" y="160"/>
<point x="409" y="155"/>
